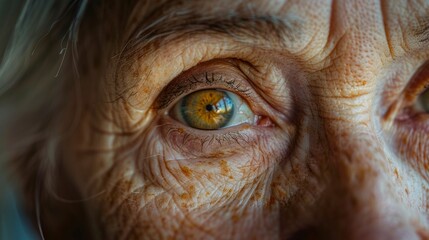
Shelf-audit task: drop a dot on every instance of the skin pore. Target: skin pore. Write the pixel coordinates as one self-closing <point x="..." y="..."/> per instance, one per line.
<point x="337" y="149"/>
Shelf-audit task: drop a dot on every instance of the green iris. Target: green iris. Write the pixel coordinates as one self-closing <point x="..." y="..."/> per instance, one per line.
<point x="207" y="109"/>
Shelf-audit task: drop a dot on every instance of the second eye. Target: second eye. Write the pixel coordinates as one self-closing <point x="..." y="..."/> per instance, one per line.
<point x="422" y="103"/>
<point x="212" y="109"/>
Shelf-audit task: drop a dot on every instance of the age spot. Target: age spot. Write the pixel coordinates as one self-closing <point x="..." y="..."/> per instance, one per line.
<point x="224" y="168"/>
<point x="186" y="171"/>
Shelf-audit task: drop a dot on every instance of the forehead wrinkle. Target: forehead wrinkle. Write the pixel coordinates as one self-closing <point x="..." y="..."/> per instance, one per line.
<point x="246" y="29"/>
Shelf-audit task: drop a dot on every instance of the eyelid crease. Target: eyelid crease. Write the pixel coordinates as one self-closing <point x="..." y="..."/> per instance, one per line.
<point x="418" y="83"/>
<point x="187" y="83"/>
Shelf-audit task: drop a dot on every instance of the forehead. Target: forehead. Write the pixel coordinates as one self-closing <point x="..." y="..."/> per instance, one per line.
<point x="313" y="23"/>
<point x="340" y="41"/>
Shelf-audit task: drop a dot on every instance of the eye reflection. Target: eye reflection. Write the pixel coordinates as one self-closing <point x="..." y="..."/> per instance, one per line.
<point x="212" y="109"/>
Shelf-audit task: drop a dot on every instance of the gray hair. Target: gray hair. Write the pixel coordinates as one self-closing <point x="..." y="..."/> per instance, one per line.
<point x="38" y="38"/>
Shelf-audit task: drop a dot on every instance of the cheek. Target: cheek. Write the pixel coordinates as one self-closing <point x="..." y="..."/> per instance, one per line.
<point x="170" y="193"/>
<point x="196" y="183"/>
<point x="148" y="182"/>
<point x="161" y="180"/>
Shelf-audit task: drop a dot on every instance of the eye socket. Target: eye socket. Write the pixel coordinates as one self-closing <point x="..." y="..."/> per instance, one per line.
<point x="212" y="109"/>
<point x="422" y="103"/>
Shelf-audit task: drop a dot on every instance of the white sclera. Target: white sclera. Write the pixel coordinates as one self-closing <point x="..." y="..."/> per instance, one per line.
<point x="242" y="113"/>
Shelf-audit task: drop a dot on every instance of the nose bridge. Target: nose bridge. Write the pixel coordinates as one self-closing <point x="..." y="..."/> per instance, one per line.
<point x="356" y="160"/>
<point x="356" y="154"/>
<point x="360" y="199"/>
<point x="358" y="166"/>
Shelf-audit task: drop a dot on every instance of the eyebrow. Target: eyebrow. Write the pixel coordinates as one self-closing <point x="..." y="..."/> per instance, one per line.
<point x="244" y="29"/>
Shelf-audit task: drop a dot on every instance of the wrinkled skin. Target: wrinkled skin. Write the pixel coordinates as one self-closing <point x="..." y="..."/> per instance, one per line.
<point x="337" y="152"/>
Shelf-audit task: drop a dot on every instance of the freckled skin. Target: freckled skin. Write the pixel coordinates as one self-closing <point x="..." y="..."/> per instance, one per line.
<point x="337" y="170"/>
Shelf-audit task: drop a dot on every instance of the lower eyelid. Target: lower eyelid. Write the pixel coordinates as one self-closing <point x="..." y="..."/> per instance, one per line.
<point x="222" y="143"/>
<point x="215" y="145"/>
<point x="413" y="120"/>
<point x="411" y="137"/>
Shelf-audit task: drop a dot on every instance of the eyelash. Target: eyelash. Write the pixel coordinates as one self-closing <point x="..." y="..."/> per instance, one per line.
<point x="205" y="80"/>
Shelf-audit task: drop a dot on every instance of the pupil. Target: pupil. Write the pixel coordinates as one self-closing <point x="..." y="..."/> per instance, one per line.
<point x="209" y="107"/>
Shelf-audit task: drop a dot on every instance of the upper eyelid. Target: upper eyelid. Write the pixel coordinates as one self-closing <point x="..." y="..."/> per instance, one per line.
<point x="418" y="82"/>
<point x="205" y="79"/>
<point x="409" y="89"/>
<point x="133" y="68"/>
<point x="205" y="48"/>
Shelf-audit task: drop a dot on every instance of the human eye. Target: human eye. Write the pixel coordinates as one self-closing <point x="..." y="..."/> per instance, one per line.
<point x="212" y="109"/>
<point x="210" y="106"/>
<point x="415" y="99"/>
<point x="411" y="124"/>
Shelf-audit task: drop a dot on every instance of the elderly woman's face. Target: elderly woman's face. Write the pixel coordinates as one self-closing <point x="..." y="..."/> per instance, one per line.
<point x="259" y="120"/>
